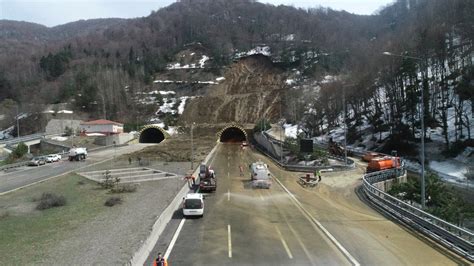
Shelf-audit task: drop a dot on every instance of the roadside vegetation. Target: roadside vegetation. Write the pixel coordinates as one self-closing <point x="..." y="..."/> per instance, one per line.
<point x="50" y="200"/>
<point x="27" y="233"/>
<point x="293" y="145"/>
<point x="18" y="154"/>
<point x="113" y="184"/>
<point x="442" y="201"/>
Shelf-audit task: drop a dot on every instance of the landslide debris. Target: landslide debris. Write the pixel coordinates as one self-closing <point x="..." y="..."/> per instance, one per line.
<point x="252" y="89"/>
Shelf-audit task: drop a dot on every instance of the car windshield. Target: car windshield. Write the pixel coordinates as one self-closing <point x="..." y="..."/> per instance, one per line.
<point x="192" y="204"/>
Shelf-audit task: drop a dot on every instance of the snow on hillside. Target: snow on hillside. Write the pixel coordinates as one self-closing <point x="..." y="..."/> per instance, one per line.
<point x="200" y="64"/>
<point x="167" y="106"/>
<point x="450" y="169"/>
<point x="182" y="104"/>
<point x="263" y="50"/>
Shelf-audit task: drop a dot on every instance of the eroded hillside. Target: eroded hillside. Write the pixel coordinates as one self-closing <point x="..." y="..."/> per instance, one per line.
<point x="252" y="89"/>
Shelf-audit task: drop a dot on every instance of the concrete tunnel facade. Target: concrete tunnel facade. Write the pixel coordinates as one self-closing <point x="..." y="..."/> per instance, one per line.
<point x="152" y="134"/>
<point x="232" y="133"/>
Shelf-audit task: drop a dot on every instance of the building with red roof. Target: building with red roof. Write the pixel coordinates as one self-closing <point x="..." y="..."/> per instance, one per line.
<point x="101" y="126"/>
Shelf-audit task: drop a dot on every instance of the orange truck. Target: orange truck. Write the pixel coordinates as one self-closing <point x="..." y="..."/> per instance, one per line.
<point x="383" y="163"/>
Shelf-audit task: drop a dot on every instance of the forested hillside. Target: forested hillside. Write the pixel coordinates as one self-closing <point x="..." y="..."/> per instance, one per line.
<point x="99" y="66"/>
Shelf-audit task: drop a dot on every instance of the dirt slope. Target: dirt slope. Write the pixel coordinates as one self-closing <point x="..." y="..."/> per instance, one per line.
<point x="252" y="89"/>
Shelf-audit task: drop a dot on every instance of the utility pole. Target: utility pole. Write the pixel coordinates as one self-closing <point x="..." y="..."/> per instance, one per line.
<point x="281" y="138"/>
<point x="192" y="147"/>
<point x="17" y="122"/>
<point x="345" y="126"/>
<point x="423" y="189"/>
<point x="424" y="71"/>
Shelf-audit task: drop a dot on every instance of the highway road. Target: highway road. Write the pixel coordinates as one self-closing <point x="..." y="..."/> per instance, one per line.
<point x="330" y="225"/>
<point x="26" y="175"/>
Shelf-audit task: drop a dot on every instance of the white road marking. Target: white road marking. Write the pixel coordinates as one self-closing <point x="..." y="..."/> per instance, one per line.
<point x="298" y="238"/>
<point x="229" y="240"/>
<point x="175" y="237"/>
<point x="228" y="195"/>
<point x="320" y="226"/>
<point x="284" y="243"/>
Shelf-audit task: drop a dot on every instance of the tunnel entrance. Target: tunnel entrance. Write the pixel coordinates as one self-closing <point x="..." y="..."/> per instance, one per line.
<point x="233" y="134"/>
<point x="151" y="135"/>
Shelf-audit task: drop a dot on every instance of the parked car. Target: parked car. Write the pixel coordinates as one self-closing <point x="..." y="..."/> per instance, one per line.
<point x="37" y="161"/>
<point x="193" y="205"/>
<point x="53" y="158"/>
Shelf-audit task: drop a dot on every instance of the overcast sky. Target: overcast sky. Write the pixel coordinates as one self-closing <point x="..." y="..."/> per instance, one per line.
<point x="56" y="12"/>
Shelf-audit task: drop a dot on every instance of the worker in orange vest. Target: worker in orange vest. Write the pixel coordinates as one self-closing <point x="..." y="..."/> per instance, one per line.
<point x="160" y="261"/>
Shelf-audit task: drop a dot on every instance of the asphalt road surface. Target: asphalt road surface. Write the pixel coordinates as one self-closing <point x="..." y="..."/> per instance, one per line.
<point x="27" y="175"/>
<point x="245" y="226"/>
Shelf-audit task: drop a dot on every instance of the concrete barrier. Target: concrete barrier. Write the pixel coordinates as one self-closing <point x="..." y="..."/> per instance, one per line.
<point x="140" y="256"/>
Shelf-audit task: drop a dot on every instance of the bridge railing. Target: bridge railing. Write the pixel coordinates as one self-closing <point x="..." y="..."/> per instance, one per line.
<point x="452" y="236"/>
<point x="22" y="139"/>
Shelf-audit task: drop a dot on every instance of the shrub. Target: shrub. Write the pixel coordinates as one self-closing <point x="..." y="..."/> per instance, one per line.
<point x="4" y="214"/>
<point x="109" y="180"/>
<point x="50" y="200"/>
<point x="128" y="188"/>
<point x="113" y="201"/>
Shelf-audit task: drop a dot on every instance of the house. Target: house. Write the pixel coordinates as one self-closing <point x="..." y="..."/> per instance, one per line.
<point x="101" y="126"/>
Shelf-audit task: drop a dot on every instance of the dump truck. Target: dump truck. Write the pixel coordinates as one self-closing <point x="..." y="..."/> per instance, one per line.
<point x="77" y="154"/>
<point x="383" y="163"/>
<point x="260" y="175"/>
<point x="207" y="179"/>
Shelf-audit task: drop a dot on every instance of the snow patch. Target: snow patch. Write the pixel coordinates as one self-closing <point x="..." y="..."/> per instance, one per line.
<point x="263" y="50"/>
<point x="449" y="169"/>
<point x="58" y="138"/>
<point x="94" y="134"/>
<point x="291" y="131"/>
<point x="182" y="104"/>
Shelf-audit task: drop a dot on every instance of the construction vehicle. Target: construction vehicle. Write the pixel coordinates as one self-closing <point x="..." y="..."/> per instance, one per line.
<point x="337" y="149"/>
<point x="259" y="175"/>
<point x="77" y="154"/>
<point x="207" y="179"/>
<point x="383" y="163"/>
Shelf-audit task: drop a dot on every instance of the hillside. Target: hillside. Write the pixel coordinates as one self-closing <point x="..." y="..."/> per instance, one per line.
<point x="222" y="61"/>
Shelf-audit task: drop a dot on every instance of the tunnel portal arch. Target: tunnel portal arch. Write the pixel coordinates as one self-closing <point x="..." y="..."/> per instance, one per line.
<point x="232" y="133"/>
<point x="152" y="134"/>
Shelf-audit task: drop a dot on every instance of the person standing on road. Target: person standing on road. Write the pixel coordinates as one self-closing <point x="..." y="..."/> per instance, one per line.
<point x="241" y="170"/>
<point x="160" y="261"/>
<point x="319" y="176"/>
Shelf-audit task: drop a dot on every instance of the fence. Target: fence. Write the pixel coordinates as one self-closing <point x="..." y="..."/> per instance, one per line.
<point x="453" y="237"/>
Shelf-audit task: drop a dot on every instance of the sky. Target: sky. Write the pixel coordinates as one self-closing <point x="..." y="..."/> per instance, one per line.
<point x="55" y="12"/>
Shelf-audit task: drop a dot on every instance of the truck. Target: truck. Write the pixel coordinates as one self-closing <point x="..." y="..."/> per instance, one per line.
<point x="383" y="163"/>
<point x="77" y="154"/>
<point x="207" y="179"/>
<point x="260" y="175"/>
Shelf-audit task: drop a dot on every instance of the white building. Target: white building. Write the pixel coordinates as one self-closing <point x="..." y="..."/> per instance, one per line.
<point x="101" y="126"/>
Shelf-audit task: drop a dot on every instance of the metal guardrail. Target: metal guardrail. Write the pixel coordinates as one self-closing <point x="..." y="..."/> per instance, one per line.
<point x="13" y="165"/>
<point x="454" y="237"/>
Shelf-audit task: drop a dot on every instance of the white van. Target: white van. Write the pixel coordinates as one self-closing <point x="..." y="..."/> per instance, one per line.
<point x="193" y="205"/>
